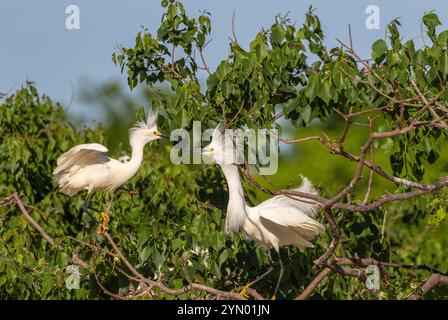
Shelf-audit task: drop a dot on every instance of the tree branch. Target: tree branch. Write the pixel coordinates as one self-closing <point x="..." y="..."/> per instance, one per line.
<point x="334" y="241"/>
<point x="430" y="283"/>
<point x="50" y="240"/>
<point x="313" y="284"/>
<point x="177" y="292"/>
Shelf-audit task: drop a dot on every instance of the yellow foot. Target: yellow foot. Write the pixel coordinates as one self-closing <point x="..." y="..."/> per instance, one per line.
<point x="102" y="228"/>
<point x="244" y="293"/>
<point x="105" y="218"/>
<point x="274" y="297"/>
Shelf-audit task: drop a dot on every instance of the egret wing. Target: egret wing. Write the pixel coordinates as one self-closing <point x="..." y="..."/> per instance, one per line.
<point x="290" y="218"/>
<point x="81" y="155"/>
<point x="87" y="146"/>
<point x="302" y="204"/>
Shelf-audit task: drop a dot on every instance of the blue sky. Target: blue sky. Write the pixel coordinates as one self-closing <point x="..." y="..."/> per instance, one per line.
<point x="37" y="46"/>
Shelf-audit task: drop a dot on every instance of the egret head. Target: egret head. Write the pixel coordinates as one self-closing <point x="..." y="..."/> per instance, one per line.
<point x="224" y="147"/>
<point x="145" y="132"/>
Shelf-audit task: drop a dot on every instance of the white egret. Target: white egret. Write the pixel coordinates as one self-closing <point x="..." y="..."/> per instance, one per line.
<point x="86" y="166"/>
<point x="276" y="222"/>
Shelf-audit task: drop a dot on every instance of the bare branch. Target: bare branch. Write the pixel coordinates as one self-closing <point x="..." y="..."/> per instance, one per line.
<point x="430" y="283"/>
<point x="41" y="230"/>
<point x="334" y="241"/>
<point x="313" y="284"/>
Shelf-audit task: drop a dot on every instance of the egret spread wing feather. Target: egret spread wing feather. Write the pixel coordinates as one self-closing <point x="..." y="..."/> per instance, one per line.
<point x="83" y="154"/>
<point x="306" y="206"/>
<point x="87" y="146"/>
<point x="291" y="218"/>
<point x="72" y="162"/>
<point x="284" y="236"/>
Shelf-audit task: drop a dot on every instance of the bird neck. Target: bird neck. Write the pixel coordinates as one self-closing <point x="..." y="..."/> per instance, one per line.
<point x="137" y="145"/>
<point x="236" y="208"/>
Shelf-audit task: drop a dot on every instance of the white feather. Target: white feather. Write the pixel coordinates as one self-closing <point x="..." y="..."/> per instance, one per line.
<point x="87" y="146"/>
<point x="86" y="167"/>
<point x="278" y="221"/>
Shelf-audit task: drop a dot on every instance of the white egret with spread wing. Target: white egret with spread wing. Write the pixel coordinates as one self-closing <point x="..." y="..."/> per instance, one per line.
<point x="87" y="167"/>
<point x="276" y="222"/>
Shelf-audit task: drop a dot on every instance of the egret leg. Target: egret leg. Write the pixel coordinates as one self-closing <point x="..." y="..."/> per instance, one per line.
<point x="104" y="226"/>
<point x="282" y="270"/>
<point x="92" y="208"/>
<point x="86" y="206"/>
<point x="243" y="292"/>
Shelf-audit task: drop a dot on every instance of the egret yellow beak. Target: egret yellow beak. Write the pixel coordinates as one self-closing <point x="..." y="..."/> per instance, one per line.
<point x="207" y="151"/>
<point x="158" y="134"/>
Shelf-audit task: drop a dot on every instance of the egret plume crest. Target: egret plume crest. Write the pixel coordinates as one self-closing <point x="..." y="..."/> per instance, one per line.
<point x="151" y="121"/>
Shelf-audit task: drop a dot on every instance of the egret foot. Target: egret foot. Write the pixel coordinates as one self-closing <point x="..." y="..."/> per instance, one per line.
<point x="105" y="217"/>
<point x="274" y="297"/>
<point x="102" y="229"/>
<point x="243" y="291"/>
<point x="104" y="226"/>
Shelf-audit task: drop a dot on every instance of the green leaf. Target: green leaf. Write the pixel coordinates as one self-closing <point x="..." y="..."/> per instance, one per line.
<point x="158" y="258"/>
<point x="223" y="69"/>
<point x="431" y="20"/>
<point x="248" y="64"/>
<point x="379" y="48"/>
<point x="338" y="80"/>
<point x="326" y="92"/>
<point x="443" y="38"/>
<point x="216" y="270"/>
<point x="393" y="59"/>
<point x="443" y="65"/>
<point x="172" y="12"/>
<point x="277" y="33"/>
<point x="420" y="58"/>
<point x="223" y="257"/>
<point x="305" y="115"/>
<point x="145" y="253"/>
<point x="441" y="214"/>
<point x="312" y="88"/>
